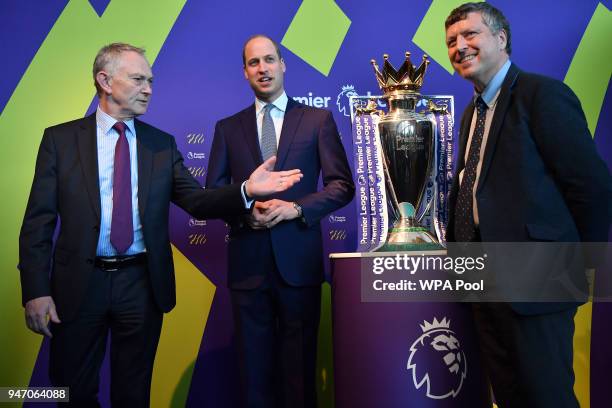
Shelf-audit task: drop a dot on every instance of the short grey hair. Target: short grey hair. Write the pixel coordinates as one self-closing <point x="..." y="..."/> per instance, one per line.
<point x="491" y="16"/>
<point x="107" y="57"/>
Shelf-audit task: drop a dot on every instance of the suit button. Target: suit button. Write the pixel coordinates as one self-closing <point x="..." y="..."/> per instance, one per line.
<point x="90" y="261"/>
<point x="97" y="228"/>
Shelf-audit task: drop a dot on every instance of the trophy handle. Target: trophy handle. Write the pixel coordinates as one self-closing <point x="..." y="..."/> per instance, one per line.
<point x="390" y="189"/>
<point x="431" y="178"/>
<point x="426" y="209"/>
<point x="431" y="204"/>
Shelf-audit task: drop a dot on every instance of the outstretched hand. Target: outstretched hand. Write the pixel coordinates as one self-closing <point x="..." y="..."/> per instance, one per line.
<point x="264" y="181"/>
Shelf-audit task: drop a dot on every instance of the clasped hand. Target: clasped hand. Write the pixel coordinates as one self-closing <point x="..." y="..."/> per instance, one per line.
<point x="267" y="214"/>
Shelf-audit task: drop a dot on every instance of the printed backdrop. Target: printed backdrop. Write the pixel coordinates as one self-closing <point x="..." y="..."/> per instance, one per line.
<point x="195" y="48"/>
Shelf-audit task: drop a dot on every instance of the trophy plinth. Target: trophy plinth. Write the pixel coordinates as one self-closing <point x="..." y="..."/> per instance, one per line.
<point x="407" y="141"/>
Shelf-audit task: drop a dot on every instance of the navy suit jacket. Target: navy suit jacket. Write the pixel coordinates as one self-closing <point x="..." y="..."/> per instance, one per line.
<point x="66" y="187"/>
<point x="309" y="141"/>
<point x="542" y="178"/>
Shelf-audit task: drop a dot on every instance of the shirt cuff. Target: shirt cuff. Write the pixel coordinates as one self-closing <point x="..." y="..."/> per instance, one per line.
<point x="248" y="203"/>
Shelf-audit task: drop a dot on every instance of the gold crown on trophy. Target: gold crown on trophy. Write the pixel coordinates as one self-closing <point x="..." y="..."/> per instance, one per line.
<point x="407" y="78"/>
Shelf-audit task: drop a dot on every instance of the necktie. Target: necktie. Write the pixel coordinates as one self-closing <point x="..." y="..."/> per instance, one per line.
<point x="268" y="134"/>
<point x="122" y="229"/>
<point x="465" y="230"/>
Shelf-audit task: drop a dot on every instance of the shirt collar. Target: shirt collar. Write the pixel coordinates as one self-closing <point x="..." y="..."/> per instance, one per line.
<point x="105" y="122"/>
<point x="280" y="103"/>
<point x="491" y="92"/>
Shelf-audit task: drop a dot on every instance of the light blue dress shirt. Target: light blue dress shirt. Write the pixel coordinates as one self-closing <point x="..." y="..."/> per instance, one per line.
<point x="277" y="114"/>
<point x="106" y="140"/>
<point x="490" y="96"/>
<point x="491" y="91"/>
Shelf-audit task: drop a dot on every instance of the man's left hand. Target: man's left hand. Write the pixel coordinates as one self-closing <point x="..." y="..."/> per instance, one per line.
<point x="264" y="181"/>
<point x="257" y="218"/>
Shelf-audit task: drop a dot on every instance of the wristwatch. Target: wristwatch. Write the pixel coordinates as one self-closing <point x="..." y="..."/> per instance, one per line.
<point x="298" y="208"/>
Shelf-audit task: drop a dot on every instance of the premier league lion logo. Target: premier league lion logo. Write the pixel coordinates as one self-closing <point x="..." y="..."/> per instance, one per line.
<point x="437" y="360"/>
<point x="344" y="98"/>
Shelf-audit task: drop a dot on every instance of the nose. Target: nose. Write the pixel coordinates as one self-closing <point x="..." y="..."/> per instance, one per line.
<point x="262" y="67"/>
<point x="148" y="88"/>
<point x="461" y="43"/>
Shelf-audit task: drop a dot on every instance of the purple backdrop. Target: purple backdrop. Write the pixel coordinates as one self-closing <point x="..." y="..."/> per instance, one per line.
<point x="199" y="80"/>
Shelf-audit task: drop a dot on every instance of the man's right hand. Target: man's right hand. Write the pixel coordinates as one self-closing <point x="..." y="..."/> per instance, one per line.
<point x="38" y="312"/>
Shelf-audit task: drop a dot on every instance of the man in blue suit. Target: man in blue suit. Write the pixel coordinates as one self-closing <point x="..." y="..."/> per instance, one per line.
<point x="528" y="171"/>
<point x="275" y="254"/>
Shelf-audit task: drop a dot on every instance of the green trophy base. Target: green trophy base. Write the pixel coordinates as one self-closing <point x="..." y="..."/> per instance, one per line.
<point x="410" y="239"/>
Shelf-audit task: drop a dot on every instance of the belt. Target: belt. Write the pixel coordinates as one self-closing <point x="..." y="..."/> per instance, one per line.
<point x="114" y="263"/>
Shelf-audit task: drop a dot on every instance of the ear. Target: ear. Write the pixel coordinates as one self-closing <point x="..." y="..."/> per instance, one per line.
<point x="104" y="79"/>
<point x="502" y="38"/>
<point x="283" y="67"/>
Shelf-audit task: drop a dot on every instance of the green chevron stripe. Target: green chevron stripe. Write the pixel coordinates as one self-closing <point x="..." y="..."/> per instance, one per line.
<point x="431" y="36"/>
<point x="181" y="334"/>
<point x="591" y="68"/>
<point x="316" y="33"/>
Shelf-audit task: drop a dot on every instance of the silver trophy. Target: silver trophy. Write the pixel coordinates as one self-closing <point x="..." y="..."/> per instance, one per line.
<point x="407" y="140"/>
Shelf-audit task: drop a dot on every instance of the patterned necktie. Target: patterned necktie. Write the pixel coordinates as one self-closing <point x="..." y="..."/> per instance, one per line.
<point x="465" y="230"/>
<point x="268" y="134"/>
<point x="122" y="229"/>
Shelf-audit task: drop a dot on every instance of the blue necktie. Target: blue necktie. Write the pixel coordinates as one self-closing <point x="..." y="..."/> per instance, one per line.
<point x="465" y="230"/>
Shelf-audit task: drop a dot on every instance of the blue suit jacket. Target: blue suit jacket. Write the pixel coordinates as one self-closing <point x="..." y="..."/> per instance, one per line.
<point x="309" y="141"/>
<point x="542" y="178"/>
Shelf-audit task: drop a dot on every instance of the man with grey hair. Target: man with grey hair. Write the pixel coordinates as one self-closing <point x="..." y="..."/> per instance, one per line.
<point x="528" y="171"/>
<point x="110" y="179"/>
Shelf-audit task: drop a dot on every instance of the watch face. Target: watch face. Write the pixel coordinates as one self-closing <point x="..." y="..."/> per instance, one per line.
<point x="298" y="208"/>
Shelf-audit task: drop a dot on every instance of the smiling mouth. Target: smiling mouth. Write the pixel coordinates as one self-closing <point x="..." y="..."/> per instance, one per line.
<point x="466" y="58"/>
<point x="264" y="79"/>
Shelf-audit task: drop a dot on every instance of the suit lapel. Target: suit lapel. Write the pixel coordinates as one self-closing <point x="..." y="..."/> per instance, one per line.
<point x="248" y="121"/>
<point x="498" y="119"/>
<point x="145" y="166"/>
<point x="464" y="133"/>
<point x="291" y="121"/>
<point x="88" y="155"/>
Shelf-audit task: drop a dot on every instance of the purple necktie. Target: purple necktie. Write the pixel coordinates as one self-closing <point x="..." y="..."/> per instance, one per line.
<point x="122" y="228"/>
